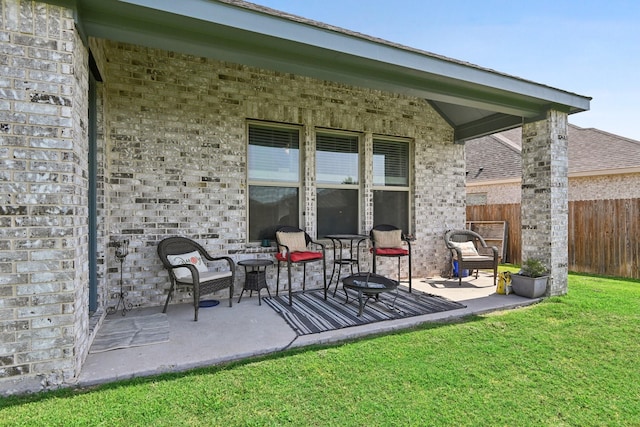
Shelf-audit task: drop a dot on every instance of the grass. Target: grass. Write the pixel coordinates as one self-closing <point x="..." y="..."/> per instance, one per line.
<point x="568" y="361"/>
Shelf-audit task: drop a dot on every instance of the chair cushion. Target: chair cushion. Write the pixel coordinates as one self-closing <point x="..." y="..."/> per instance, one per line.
<point x="300" y="256"/>
<point x="387" y="239"/>
<point x="478" y="258"/>
<point x="466" y="248"/>
<point x="391" y="251"/>
<point x="205" y="276"/>
<point x="189" y="258"/>
<point x="295" y="241"/>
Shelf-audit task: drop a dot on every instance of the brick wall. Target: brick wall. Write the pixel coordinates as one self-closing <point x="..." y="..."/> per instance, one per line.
<point x="498" y="194"/>
<point x="600" y="187"/>
<point x="104" y="250"/>
<point x="604" y="187"/>
<point x="176" y="143"/>
<point x="79" y="242"/>
<point x="42" y="196"/>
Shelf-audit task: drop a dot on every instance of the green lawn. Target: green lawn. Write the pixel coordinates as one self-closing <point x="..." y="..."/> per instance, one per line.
<point x="568" y="361"/>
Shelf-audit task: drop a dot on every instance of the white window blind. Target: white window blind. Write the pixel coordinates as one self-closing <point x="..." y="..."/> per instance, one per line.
<point x="274" y="153"/>
<point x="390" y="163"/>
<point x="337" y="159"/>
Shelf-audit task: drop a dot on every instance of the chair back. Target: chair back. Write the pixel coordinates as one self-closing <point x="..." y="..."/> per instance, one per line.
<point x="292" y="229"/>
<point x="460" y="236"/>
<point x="176" y="246"/>
<point x="383" y="228"/>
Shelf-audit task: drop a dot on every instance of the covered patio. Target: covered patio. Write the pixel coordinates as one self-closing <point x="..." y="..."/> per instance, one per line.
<point x="215" y="119"/>
<point x="248" y="330"/>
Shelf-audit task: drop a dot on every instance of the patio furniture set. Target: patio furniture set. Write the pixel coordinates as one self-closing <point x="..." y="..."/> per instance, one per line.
<point x="186" y="263"/>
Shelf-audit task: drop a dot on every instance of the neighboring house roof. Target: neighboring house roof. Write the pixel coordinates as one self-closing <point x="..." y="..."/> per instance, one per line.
<point x="474" y="100"/>
<point x="591" y="152"/>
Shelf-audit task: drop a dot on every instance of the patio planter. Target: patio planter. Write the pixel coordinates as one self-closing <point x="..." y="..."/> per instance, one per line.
<point x="530" y="287"/>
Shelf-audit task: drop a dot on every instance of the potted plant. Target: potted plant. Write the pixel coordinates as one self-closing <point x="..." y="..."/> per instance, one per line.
<point x="531" y="280"/>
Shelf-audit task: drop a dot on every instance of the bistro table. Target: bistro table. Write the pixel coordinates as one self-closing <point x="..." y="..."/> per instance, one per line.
<point x="339" y="243"/>
<point x="255" y="276"/>
<point x="369" y="285"/>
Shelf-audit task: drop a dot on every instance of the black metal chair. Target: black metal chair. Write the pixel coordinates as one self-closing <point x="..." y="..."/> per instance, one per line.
<point x="185" y="260"/>
<point x="389" y="241"/>
<point x="463" y="245"/>
<point x="293" y="248"/>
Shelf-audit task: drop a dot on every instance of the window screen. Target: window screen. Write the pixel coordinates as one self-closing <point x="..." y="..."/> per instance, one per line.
<point x="274" y="154"/>
<point x="337" y="159"/>
<point x="391" y="201"/>
<point x="338" y="174"/>
<point x="274" y="179"/>
<point x="390" y="163"/>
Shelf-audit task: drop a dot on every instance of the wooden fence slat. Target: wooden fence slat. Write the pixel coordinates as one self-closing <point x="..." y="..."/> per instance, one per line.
<point x="604" y="235"/>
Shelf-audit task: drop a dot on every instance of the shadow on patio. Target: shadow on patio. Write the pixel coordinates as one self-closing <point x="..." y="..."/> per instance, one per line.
<point x="224" y="334"/>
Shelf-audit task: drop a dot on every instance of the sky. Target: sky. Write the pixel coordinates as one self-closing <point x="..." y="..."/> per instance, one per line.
<point x="588" y="47"/>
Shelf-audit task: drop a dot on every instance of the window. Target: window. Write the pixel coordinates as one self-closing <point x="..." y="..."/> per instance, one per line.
<point x="391" y="183"/>
<point x="274" y="179"/>
<point x="337" y="176"/>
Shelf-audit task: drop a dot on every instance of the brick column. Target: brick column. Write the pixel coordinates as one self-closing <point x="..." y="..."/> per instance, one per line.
<point x="544" y="207"/>
<point x="366" y="184"/>
<point x="309" y="181"/>
<point x="43" y="204"/>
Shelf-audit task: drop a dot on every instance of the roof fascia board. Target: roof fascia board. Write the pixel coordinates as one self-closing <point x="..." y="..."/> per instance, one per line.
<point x="621" y="171"/>
<point x="585" y="174"/>
<point x="364" y="74"/>
<point x="508" y="143"/>
<point x="304" y="33"/>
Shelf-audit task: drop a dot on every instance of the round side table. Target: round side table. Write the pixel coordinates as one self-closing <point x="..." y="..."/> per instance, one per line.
<point x="255" y="276"/>
<point x="339" y="243"/>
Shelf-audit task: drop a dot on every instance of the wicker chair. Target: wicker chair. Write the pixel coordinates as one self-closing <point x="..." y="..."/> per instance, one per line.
<point x="293" y="248"/>
<point x="185" y="260"/>
<point x="463" y="245"/>
<point x="389" y="241"/>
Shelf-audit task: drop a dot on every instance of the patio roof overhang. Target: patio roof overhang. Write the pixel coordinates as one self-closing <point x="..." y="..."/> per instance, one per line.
<point x="475" y="101"/>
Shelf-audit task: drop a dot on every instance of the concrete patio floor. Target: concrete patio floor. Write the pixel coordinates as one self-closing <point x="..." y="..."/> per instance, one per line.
<point x="246" y="330"/>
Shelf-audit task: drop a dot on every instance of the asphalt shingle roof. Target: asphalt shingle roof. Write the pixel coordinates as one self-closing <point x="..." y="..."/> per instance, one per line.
<point x="497" y="157"/>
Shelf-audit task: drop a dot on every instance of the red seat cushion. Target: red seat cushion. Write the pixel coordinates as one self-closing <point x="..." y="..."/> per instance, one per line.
<point x="391" y="251"/>
<point x="300" y="256"/>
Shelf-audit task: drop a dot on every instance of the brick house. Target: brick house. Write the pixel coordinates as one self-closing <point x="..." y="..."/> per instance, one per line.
<point x="140" y="120"/>
<point x="601" y="166"/>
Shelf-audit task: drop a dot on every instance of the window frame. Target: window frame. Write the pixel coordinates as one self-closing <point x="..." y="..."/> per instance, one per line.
<point x="357" y="186"/>
<point x="408" y="189"/>
<point x="273" y="183"/>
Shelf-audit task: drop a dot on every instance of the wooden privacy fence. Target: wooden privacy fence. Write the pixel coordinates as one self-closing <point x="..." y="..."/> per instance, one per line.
<point x="604" y="235"/>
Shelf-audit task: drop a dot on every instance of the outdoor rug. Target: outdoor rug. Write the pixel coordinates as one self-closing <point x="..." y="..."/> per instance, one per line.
<point x="133" y="331"/>
<point x="311" y="314"/>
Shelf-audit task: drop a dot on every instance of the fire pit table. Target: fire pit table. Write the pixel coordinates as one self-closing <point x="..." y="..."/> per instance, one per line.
<point x="368" y="285"/>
